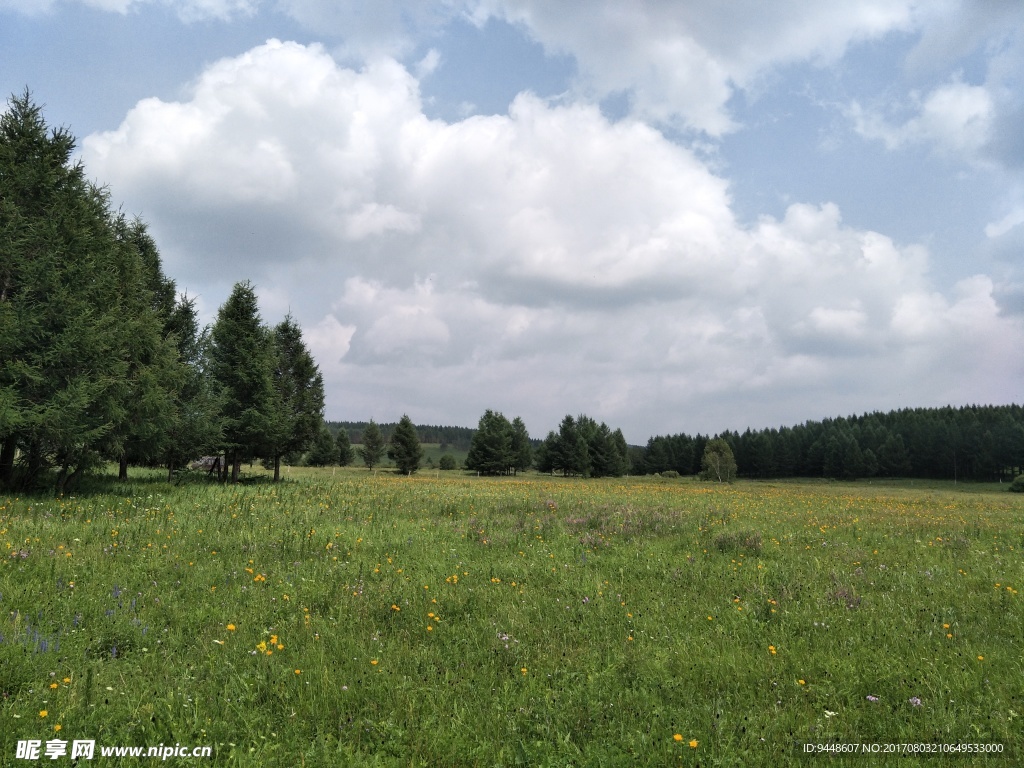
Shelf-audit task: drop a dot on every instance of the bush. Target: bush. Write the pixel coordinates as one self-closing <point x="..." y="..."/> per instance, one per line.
<point x="671" y="473"/>
<point x="1017" y="486"/>
<point x="447" y="462"/>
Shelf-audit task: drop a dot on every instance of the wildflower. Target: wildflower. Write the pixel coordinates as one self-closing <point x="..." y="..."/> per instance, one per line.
<point x="869" y="697"/>
<point x="57" y="727"/>
<point x="802" y="682"/>
<point x="678" y="737"/>
<point x="298" y="671"/>
<point x="395" y="607"/>
<point x="523" y="670"/>
<point x="914" y="701"/>
<point x="830" y="713"/>
<point x="374" y="662"/>
<point x="693" y="743"/>
<point x="981" y="658"/>
<point x="771" y="649"/>
<point x="231" y="627"/>
<point x="67" y="680"/>
<point x="43" y="713"/>
<point x="53" y="685"/>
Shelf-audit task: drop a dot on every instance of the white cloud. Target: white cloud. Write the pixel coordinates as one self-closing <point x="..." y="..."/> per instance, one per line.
<point x="541" y="262"/>
<point x="681" y="62"/>
<point x="1011" y="220"/>
<point x="955" y="117"/>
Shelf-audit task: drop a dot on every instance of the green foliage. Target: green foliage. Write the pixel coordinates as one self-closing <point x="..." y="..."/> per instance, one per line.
<point x="83" y="368"/>
<point x="1017" y="486"/>
<point x="242" y="362"/>
<point x="345" y="453"/>
<point x="324" y="450"/>
<point x="372" y="450"/>
<point x="299" y="398"/>
<point x="584" y="448"/>
<point x="718" y="463"/>
<point x="490" y="452"/>
<point x="404" y="448"/>
<point x="447" y="462"/>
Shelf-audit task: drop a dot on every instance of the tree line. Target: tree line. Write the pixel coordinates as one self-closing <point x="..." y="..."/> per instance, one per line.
<point x="101" y="359"/>
<point x="981" y="443"/>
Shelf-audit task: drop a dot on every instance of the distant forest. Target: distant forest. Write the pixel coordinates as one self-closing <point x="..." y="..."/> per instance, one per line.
<point x="456" y="438"/>
<point x="968" y="443"/>
<point x="981" y="443"/>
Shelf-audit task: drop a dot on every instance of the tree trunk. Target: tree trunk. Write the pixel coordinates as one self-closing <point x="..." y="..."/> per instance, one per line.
<point x="122" y="469"/>
<point x="236" y="466"/>
<point x="170" y="470"/>
<point x="277" y="468"/>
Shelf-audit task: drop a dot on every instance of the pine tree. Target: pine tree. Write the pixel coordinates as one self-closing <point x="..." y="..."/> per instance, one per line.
<point x="345" y="453"/>
<point x="299" y="402"/>
<point x="242" y="363"/>
<point x="372" y="450"/>
<point x="522" y="451"/>
<point x="490" y="450"/>
<point x="324" y="451"/>
<point x="70" y="310"/>
<point x="404" y="448"/>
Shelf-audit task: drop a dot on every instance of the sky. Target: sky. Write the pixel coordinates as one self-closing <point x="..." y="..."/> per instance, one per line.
<point x="670" y="216"/>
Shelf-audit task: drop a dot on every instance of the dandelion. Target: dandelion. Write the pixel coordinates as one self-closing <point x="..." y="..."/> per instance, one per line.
<point x="981" y="658"/>
<point x="54" y="685"/>
<point x="66" y="680"/>
<point x="231" y="627"/>
<point x="523" y="670"/>
<point x="771" y="649"/>
<point x="802" y="682"/>
<point x="298" y="671"/>
<point x="374" y="662"/>
<point x="43" y="713"/>
<point x="57" y="727"/>
<point x="693" y="743"/>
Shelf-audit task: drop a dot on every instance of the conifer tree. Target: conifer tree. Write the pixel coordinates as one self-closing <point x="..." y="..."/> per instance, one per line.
<point x="299" y="401"/>
<point x="372" y="450"/>
<point x="404" y="448"/>
<point x="345" y="454"/>
<point x="242" y="363"/>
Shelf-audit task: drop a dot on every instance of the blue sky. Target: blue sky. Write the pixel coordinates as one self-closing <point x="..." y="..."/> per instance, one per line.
<point x="669" y="216"/>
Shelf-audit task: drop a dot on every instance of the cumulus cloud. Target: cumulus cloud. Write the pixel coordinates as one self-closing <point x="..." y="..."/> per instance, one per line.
<point x="680" y="63"/>
<point x="955" y="117"/>
<point x="543" y="261"/>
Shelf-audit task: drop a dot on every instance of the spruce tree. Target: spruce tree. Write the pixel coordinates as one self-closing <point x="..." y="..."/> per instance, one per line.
<point x="372" y="450"/>
<point x="324" y="451"/>
<point x="345" y="453"/>
<point x="242" y="363"/>
<point x="299" y="401"/>
<point x="522" y="451"/>
<point x="490" y="450"/>
<point x="70" y="319"/>
<point x="404" y="448"/>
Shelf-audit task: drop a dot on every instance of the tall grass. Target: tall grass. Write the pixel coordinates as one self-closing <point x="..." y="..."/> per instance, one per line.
<point x="347" y="618"/>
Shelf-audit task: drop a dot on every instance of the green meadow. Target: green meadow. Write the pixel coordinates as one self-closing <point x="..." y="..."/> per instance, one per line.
<point x="344" y="618"/>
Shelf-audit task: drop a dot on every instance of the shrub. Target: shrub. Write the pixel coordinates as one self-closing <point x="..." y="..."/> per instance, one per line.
<point x="447" y="462"/>
<point x="1017" y="486"/>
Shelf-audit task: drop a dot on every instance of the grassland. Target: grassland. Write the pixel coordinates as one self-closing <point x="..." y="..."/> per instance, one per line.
<point x="345" y="618"/>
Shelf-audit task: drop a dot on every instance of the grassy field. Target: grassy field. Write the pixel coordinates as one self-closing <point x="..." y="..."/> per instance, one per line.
<point x="344" y="618"/>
